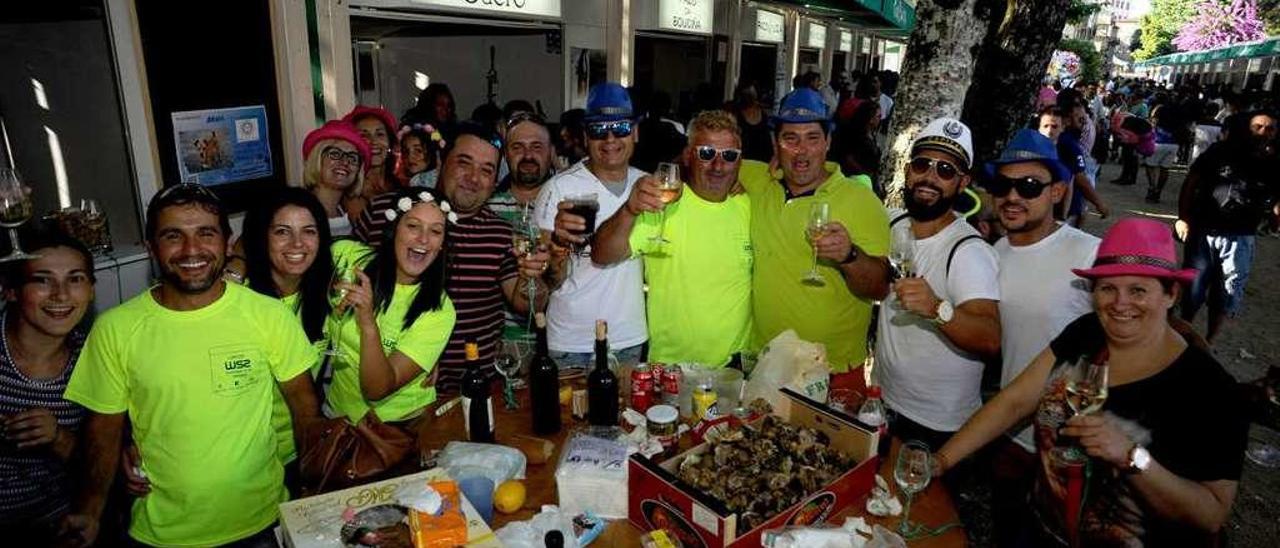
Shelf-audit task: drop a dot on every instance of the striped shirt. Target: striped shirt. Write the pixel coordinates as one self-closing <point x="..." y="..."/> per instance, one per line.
<point x="480" y="260"/>
<point x="34" y="484"/>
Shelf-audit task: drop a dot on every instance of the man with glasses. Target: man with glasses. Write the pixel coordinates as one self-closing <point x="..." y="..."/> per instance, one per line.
<point x="847" y="254"/>
<point x="593" y="292"/>
<point x="697" y="261"/>
<point x="1039" y="295"/>
<point x="941" y="319"/>
<point x="193" y="364"/>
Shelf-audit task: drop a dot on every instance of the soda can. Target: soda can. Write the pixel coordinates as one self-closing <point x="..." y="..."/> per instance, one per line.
<point x="659" y="370"/>
<point x="704" y="401"/>
<point x="671" y="379"/>
<point x="641" y="388"/>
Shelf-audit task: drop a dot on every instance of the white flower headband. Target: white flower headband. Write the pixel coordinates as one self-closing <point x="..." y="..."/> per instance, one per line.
<point x="406" y="203"/>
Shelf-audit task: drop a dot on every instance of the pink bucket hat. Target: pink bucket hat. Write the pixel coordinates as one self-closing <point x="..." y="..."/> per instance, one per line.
<point x="1137" y="247"/>
<point x="337" y="129"/>
<point x="383" y="115"/>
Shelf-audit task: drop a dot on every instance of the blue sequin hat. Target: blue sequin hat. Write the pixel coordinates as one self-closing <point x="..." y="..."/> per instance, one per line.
<point x="608" y="102"/>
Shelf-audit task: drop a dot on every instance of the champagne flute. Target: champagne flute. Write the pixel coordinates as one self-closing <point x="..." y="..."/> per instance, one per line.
<point x="668" y="177"/>
<point x="341" y="310"/>
<point x="902" y="250"/>
<point x="15" y="209"/>
<point x="912" y="473"/>
<point x="819" y="216"/>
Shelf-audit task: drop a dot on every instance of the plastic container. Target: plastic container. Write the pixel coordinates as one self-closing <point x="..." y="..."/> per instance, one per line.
<point x="693" y="376"/>
<point x="661" y="422"/>
<point x="728" y="390"/>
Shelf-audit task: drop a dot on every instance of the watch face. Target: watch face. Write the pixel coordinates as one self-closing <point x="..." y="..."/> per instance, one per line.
<point x="1140" y="459"/>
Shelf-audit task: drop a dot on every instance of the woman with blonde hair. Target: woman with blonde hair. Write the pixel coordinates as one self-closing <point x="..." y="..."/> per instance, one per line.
<point x="336" y="157"/>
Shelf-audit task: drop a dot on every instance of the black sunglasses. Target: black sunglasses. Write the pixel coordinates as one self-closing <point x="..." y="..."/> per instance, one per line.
<point x="335" y="154"/>
<point x="601" y="130"/>
<point x="1027" y="187"/>
<point x="521" y="116"/>
<point x="945" y="170"/>
<point x="708" y="153"/>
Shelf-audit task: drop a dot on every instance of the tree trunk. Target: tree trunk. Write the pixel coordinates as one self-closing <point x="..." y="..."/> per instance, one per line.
<point x="936" y="72"/>
<point x="1021" y="37"/>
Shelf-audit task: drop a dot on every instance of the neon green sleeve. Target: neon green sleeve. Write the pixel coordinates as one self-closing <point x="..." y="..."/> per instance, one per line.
<point x="425" y="340"/>
<point x="290" y="352"/>
<point x="99" y="379"/>
<point x="867" y="222"/>
<point x="642" y="233"/>
<point x="754" y="175"/>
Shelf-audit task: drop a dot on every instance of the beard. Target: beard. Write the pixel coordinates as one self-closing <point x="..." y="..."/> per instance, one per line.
<point x="529" y="178"/>
<point x="926" y="212"/>
<point x="192" y="286"/>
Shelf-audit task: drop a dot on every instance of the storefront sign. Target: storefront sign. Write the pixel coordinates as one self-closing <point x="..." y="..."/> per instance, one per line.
<point x="537" y="8"/>
<point x="769" y="27"/>
<point x="846" y="41"/>
<point x="222" y="145"/>
<point x="817" y="36"/>
<point x="685" y="15"/>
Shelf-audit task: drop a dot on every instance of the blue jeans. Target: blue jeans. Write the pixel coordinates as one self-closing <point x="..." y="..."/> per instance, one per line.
<point x="1224" y="263"/>
<point x="629" y="356"/>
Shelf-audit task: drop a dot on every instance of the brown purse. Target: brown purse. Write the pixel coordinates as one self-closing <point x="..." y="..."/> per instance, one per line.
<point x="338" y="454"/>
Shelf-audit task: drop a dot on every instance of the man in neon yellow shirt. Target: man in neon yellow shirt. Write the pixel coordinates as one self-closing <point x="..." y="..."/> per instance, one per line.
<point x="699" y="301"/>
<point x="849" y="252"/>
<point x="194" y="363"/>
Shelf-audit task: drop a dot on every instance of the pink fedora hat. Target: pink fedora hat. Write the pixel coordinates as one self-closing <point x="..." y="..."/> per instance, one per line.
<point x="337" y="129"/>
<point x="1137" y="247"/>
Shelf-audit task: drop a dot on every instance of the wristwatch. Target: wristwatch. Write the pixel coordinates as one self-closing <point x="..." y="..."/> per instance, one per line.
<point x="1139" y="459"/>
<point x="852" y="256"/>
<point x="945" y="312"/>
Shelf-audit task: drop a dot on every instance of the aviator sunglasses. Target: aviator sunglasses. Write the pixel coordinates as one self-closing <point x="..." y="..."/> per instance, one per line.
<point x="601" y="130"/>
<point x="708" y="153"/>
<point x="945" y="170"/>
<point x="1027" y="187"/>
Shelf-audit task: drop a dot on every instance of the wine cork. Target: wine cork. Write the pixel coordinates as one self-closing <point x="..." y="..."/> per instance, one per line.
<point x="540" y="320"/>
<point x="602" y="330"/>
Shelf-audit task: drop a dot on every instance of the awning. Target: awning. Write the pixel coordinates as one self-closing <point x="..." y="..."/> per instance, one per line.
<point x="1247" y="50"/>
<point x="887" y="17"/>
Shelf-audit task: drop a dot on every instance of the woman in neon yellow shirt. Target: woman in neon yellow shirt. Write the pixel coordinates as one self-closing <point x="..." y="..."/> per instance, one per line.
<point x="394" y="320"/>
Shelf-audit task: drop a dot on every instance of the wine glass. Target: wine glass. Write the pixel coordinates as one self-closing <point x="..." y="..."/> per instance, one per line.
<point x="819" y="216"/>
<point x="524" y="240"/>
<point x="912" y="473"/>
<point x="902" y="250"/>
<point x="508" y="363"/>
<point x="15" y="209"/>
<point x="341" y="310"/>
<point x="668" y="177"/>
<point x="587" y="206"/>
<point x="1087" y="388"/>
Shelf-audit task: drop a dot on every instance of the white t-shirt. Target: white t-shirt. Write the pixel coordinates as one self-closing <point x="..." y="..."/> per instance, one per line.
<point x="923" y="375"/>
<point x="613" y="293"/>
<point x="1039" y="295"/>
<point x="886" y="106"/>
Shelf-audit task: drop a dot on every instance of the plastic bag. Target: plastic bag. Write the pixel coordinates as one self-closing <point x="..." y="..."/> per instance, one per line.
<point x="499" y="463"/>
<point x="854" y="534"/>
<point x="790" y="362"/>
<point x="531" y="533"/>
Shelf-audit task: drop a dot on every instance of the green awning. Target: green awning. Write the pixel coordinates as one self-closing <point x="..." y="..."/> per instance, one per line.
<point x="890" y="17"/>
<point x="1262" y="48"/>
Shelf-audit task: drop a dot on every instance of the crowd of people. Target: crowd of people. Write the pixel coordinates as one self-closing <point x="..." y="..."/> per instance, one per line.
<point x="358" y="292"/>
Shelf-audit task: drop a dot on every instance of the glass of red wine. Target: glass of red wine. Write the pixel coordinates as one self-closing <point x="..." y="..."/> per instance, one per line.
<point x="584" y="205"/>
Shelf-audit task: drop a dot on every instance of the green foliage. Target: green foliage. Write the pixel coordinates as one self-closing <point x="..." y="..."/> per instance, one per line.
<point x="1090" y="60"/>
<point x="1269" y="11"/>
<point x="1080" y="10"/>
<point x="1163" y="23"/>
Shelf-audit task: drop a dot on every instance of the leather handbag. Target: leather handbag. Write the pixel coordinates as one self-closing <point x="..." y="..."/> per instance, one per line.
<point x="339" y="454"/>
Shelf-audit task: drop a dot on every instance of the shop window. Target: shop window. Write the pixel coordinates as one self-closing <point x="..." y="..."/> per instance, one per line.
<point x="60" y="105"/>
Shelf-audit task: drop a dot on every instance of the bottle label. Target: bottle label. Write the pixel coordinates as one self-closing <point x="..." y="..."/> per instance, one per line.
<point x="466" y="413"/>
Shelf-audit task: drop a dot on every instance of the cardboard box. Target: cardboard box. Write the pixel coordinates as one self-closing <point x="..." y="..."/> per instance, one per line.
<point x="660" y="500"/>
<point x="316" y="522"/>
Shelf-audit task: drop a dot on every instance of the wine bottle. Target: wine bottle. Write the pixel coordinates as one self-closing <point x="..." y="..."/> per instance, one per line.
<point x="477" y="402"/>
<point x="602" y="384"/>
<point x="544" y="383"/>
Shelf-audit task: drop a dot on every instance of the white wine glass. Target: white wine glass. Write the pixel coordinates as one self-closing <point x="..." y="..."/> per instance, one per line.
<point x="819" y="216"/>
<point x="341" y="310"/>
<point x="1087" y="387"/>
<point x="15" y="209"/>
<point x="902" y="250"/>
<point x="669" y="185"/>
<point x="508" y="363"/>
<point x="912" y="473"/>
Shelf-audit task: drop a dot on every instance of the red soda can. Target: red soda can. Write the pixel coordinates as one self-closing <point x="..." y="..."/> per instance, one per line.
<point x="642" y="384"/>
<point x="658" y="372"/>
<point x="671" y="378"/>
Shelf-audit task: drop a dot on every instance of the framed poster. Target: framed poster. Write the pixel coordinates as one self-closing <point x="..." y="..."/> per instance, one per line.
<point x="225" y="145"/>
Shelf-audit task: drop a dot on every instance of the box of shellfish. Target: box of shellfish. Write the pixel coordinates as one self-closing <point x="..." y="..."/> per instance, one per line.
<point x="776" y="471"/>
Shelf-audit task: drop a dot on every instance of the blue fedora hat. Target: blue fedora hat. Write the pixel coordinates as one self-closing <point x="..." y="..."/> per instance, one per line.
<point x="802" y="106"/>
<point x="608" y="102"/>
<point x="1028" y="145"/>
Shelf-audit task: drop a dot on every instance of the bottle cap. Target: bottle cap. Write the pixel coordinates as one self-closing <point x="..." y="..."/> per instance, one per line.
<point x="473" y="351"/>
<point x="540" y="320"/>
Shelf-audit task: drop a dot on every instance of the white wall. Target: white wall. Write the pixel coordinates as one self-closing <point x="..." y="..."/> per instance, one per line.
<point x="525" y="69"/>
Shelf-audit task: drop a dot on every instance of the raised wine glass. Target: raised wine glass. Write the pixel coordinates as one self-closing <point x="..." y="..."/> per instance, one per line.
<point x="668" y="177"/>
<point x="819" y="216"/>
<point x="341" y="310"/>
<point x="524" y="240"/>
<point x="587" y="206"/>
<point x="15" y="209"/>
<point x="902" y="250"/>
<point x="912" y="473"/>
<point x="1087" y="387"/>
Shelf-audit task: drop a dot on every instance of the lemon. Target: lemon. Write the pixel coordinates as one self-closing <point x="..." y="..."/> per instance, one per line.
<point x="509" y="497"/>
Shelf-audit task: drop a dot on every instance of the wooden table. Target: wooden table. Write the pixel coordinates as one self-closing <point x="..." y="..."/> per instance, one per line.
<point x="933" y="507"/>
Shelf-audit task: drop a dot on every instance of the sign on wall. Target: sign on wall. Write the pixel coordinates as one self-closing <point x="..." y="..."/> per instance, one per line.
<point x="222" y="145"/>
<point x="846" y="41"/>
<point x="686" y="15"/>
<point x="769" y="27"/>
<point x="817" y="36"/>
<point x="538" y="8"/>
